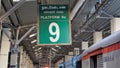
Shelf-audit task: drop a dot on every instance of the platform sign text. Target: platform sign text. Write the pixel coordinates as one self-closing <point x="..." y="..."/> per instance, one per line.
<point x="54" y="27"/>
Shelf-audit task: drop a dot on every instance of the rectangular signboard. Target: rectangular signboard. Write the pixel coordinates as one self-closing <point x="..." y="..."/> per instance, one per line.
<point x="54" y="27"/>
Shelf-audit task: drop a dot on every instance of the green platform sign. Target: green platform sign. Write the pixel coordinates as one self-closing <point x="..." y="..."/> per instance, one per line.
<point x="54" y="27"/>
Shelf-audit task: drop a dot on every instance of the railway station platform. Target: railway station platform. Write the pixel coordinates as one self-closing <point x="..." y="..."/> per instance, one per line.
<point x="59" y="33"/>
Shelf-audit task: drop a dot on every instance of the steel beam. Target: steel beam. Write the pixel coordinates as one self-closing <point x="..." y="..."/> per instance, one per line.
<point x="76" y="8"/>
<point x="104" y="17"/>
<point x="25" y="35"/>
<point x="17" y="35"/>
<point x="93" y="17"/>
<point x="12" y="9"/>
<point x="107" y="14"/>
<point x="16" y="42"/>
<point x="26" y="26"/>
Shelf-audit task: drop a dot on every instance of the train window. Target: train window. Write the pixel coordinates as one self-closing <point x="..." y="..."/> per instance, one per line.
<point x="99" y="61"/>
<point x="96" y="61"/>
<point x="79" y="64"/>
<point x="93" y="62"/>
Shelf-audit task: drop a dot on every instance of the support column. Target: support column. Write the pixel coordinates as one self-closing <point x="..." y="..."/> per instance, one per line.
<point x="69" y="56"/>
<point x="97" y="36"/>
<point x="76" y="51"/>
<point x="0" y="34"/>
<point x="21" y="57"/>
<point x="5" y="48"/>
<point x="84" y="45"/>
<point x="115" y="25"/>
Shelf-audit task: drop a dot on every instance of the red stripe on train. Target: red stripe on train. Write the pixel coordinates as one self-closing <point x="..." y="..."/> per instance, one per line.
<point x="111" y="48"/>
<point x="105" y="50"/>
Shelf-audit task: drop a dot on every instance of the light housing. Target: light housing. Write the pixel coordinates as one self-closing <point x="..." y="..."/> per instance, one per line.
<point x="16" y="0"/>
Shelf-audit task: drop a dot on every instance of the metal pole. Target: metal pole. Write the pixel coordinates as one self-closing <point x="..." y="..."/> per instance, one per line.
<point x="17" y="35"/>
<point x="25" y="35"/>
<point x="0" y="32"/>
<point x="39" y="63"/>
<point x="0" y="35"/>
<point x="12" y="9"/>
<point x="50" y="60"/>
<point x="14" y="50"/>
<point x="64" y="61"/>
<point x="26" y="26"/>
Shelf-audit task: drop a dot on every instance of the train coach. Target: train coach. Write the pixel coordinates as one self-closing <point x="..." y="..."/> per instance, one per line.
<point x="104" y="54"/>
<point x="75" y="62"/>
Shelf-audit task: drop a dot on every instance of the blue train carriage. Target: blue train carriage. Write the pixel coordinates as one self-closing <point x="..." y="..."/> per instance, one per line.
<point x="77" y="61"/>
<point x="68" y="64"/>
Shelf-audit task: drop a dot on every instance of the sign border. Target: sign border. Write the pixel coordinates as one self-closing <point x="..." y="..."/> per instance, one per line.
<point x="70" y="34"/>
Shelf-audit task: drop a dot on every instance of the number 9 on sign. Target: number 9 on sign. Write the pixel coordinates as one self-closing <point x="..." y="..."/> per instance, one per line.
<point x="55" y="33"/>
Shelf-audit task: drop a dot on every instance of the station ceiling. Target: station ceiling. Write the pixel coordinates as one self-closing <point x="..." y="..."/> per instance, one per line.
<point x="84" y="23"/>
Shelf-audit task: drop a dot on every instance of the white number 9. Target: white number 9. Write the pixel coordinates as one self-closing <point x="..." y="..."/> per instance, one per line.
<point x="56" y="32"/>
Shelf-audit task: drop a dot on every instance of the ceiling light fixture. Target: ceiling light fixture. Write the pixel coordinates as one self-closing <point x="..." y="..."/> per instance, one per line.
<point x="54" y="49"/>
<point x="38" y="49"/>
<point x="36" y="53"/>
<point x="40" y="53"/>
<point x="33" y="41"/>
<point x="53" y="52"/>
<point x="58" y="47"/>
<point x="33" y="47"/>
<point x="32" y="35"/>
<point x="16" y="0"/>
<point x="25" y="0"/>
